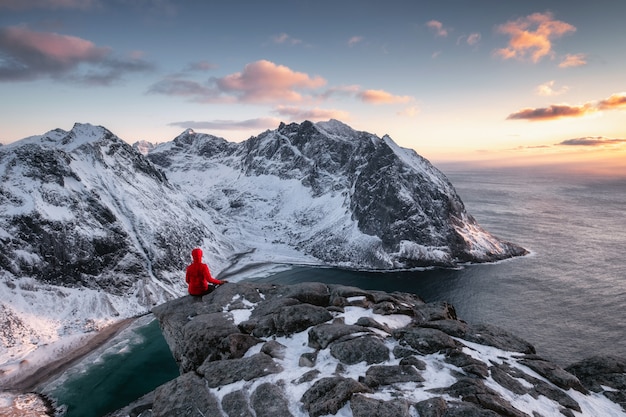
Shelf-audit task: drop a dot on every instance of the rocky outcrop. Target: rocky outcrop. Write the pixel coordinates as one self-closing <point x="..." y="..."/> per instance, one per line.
<point x="254" y="349"/>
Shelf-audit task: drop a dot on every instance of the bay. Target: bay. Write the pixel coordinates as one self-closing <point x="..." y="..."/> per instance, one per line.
<point x="130" y="365"/>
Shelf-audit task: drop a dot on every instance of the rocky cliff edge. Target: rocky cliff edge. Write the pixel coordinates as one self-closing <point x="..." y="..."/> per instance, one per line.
<point x="311" y="349"/>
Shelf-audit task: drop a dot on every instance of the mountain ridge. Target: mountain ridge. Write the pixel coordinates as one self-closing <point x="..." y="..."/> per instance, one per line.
<point x="88" y="219"/>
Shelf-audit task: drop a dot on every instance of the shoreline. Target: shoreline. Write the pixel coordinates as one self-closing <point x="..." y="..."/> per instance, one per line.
<point x="30" y="381"/>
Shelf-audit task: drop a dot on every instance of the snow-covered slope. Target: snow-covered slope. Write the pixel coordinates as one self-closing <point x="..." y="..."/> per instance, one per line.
<point x="92" y="230"/>
<point x="342" y="196"/>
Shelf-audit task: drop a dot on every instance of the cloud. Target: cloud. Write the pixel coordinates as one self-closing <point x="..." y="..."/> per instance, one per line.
<point x="284" y="38"/>
<point x="547" y="89"/>
<point x="592" y="141"/>
<point x="342" y="90"/>
<point x="573" y="60"/>
<point x="437" y="27"/>
<point x="30" y="55"/>
<point x="48" y="4"/>
<point x="354" y="40"/>
<point x="315" y="114"/>
<point x="410" y="111"/>
<point x="259" y="82"/>
<point x="201" y="66"/>
<point x="557" y="111"/>
<point x="531" y="36"/>
<point x="615" y="101"/>
<point x="473" y="39"/>
<point x="264" y="81"/>
<point x="258" y="123"/>
<point x="174" y="86"/>
<point x="382" y="97"/>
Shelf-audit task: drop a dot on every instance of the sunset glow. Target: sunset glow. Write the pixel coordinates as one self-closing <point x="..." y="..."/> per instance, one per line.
<point x="529" y="83"/>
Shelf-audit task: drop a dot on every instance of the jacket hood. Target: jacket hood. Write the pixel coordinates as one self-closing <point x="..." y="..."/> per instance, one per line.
<point x="196" y="254"/>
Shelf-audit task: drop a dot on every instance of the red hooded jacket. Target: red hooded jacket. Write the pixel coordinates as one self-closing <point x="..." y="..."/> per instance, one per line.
<point x="198" y="275"/>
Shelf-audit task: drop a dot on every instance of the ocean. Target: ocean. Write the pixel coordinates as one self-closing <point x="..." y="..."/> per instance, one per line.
<point x="567" y="298"/>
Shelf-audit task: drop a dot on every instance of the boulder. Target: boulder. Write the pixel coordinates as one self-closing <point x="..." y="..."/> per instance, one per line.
<point x="330" y="394"/>
<point x="391" y="374"/>
<point x="296" y="318"/>
<point x="185" y="396"/>
<point x="224" y="372"/>
<point x="363" y="406"/>
<point x="426" y="340"/>
<point x="202" y="338"/>
<point x="236" y="404"/>
<point x="553" y="373"/>
<point x="368" y="349"/>
<point x="322" y="335"/>
<point x="269" y="400"/>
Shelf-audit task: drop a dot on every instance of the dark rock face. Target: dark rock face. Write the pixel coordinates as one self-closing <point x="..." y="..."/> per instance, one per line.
<point x="606" y="375"/>
<point x="413" y="358"/>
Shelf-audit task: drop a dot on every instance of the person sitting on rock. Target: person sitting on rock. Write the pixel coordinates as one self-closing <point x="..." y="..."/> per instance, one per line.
<point x="199" y="277"/>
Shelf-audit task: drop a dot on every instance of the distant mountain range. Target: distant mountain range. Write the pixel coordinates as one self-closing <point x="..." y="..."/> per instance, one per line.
<point x="93" y="229"/>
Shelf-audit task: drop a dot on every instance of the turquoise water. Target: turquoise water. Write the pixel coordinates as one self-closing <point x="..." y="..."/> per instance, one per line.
<point x="134" y="364"/>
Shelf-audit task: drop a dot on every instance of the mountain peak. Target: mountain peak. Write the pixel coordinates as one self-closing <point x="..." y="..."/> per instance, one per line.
<point x="335" y="126"/>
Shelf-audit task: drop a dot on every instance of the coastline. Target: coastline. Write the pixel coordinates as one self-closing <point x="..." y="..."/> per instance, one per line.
<point x="29" y="381"/>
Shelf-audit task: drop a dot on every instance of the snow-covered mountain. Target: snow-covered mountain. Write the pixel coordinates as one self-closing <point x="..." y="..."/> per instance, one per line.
<point x="92" y="230"/>
<point x="344" y="197"/>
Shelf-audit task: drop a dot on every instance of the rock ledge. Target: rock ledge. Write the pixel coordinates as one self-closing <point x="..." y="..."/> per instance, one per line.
<point x="311" y="349"/>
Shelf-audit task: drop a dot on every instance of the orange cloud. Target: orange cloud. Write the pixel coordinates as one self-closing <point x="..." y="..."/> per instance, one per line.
<point x="264" y="81"/>
<point x="547" y="89"/>
<point x="555" y="111"/>
<point x="531" y="36"/>
<point x="593" y="141"/>
<point x="437" y="28"/>
<point x="382" y="97"/>
<point x="616" y="101"/>
<point x="575" y="60"/>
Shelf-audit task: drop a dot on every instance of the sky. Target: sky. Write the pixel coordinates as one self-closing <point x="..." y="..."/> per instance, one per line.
<point x="489" y="82"/>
